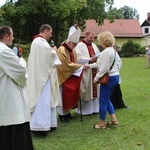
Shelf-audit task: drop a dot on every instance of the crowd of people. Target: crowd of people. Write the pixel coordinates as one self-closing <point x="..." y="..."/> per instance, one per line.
<point x="53" y="82"/>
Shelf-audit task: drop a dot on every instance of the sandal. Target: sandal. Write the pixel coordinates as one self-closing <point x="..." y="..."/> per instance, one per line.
<point x="98" y="126"/>
<point x="112" y="122"/>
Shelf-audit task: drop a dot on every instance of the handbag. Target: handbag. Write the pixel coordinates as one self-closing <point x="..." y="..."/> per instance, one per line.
<point x="105" y="78"/>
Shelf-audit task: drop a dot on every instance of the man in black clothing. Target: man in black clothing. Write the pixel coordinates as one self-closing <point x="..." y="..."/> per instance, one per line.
<point x="116" y="98"/>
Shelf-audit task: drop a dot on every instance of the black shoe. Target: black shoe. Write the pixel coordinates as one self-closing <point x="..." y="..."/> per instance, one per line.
<point x="40" y="133"/>
<point x="69" y="116"/>
<point x="127" y="107"/>
<point x="53" y="128"/>
<point x="63" y="118"/>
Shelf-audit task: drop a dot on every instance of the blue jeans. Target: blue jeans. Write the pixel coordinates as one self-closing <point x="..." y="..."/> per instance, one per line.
<point x="105" y="93"/>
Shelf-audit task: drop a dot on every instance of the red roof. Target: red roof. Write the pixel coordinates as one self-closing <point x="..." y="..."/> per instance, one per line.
<point x="119" y="28"/>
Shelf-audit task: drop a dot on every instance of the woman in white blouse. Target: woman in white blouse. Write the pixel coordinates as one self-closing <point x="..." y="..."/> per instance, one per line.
<point x="105" y="61"/>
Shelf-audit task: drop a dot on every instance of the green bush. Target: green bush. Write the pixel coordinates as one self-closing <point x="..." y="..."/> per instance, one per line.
<point x="143" y="49"/>
<point x="128" y="49"/>
<point x="137" y="48"/>
<point x="131" y="49"/>
<point x="26" y="49"/>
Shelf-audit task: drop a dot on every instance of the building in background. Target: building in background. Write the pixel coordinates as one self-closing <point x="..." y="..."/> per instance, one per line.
<point x="146" y="28"/>
<point x="122" y="29"/>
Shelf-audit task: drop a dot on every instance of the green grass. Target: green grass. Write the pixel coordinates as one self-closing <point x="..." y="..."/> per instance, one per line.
<point x="133" y="125"/>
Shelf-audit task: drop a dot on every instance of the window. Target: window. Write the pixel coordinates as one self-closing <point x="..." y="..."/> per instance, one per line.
<point x="146" y="30"/>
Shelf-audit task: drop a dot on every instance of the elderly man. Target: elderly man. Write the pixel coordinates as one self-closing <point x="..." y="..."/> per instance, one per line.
<point x="69" y="74"/>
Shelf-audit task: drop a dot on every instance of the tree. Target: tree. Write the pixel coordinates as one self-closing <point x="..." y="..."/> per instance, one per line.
<point x="129" y="12"/>
<point x="125" y="12"/>
<point x="113" y="13"/>
<point x="28" y="15"/>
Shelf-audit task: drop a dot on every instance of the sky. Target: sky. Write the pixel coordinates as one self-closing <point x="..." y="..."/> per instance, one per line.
<point x="2" y="2"/>
<point x="142" y="6"/>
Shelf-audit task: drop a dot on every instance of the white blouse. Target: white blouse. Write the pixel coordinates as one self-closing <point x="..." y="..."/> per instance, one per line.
<point x="105" y="60"/>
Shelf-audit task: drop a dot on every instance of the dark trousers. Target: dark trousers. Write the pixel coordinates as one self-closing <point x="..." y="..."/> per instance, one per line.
<point x="16" y="137"/>
<point x="116" y="97"/>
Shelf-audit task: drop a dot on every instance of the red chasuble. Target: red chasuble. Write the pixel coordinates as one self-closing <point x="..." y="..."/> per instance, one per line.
<point x="71" y="87"/>
<point x="94" y="70"/>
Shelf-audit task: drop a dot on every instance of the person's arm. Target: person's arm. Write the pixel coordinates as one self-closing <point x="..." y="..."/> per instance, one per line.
<point x="119" y="61"/>
<point x="146" y="49"/>
<point x="11" y="66"/>
<point x="15" y="49"/>
<point x="80" y="52"/>
<point x="103" y="65"/>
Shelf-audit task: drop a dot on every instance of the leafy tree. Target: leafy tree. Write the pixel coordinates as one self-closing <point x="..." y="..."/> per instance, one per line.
<point x="129" y="12"/>
<point x="26" y="16"/>
<point x="125" y="12"/>
<point x="114" y="14"/>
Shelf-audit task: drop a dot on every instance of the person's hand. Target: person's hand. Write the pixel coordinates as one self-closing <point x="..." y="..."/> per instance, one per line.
<point x="85" y="67"/>
<point x="93" y="60"/>
<point x="94" y="81"/>
<point x="55" y="48"/>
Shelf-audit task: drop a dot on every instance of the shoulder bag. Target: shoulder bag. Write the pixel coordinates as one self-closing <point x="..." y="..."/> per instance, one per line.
<point x="105" y="78"/>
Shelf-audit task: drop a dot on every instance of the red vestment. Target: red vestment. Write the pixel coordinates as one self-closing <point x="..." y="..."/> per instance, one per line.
<point x="70" y="83"/>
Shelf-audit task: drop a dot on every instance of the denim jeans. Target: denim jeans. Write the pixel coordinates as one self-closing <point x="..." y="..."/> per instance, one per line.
<point x="105" y="93"/>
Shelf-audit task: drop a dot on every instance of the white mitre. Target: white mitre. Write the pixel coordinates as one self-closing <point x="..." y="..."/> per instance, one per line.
<point x="74" y="35"/>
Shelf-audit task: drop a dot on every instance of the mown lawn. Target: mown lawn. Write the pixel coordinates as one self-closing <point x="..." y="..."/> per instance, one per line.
<point x="133" y="131"/>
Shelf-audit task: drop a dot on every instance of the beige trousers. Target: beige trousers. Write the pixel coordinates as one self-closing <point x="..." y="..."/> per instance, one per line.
<point x="147" y="61"/>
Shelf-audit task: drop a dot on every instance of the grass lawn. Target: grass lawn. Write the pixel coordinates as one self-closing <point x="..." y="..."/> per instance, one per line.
<point x="133" y="131"/>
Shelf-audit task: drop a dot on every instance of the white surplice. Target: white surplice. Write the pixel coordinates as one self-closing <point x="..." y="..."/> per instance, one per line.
<point x="46" y="118"/>
<point x="42" y="85"/>
<point x="13" y="103"/>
